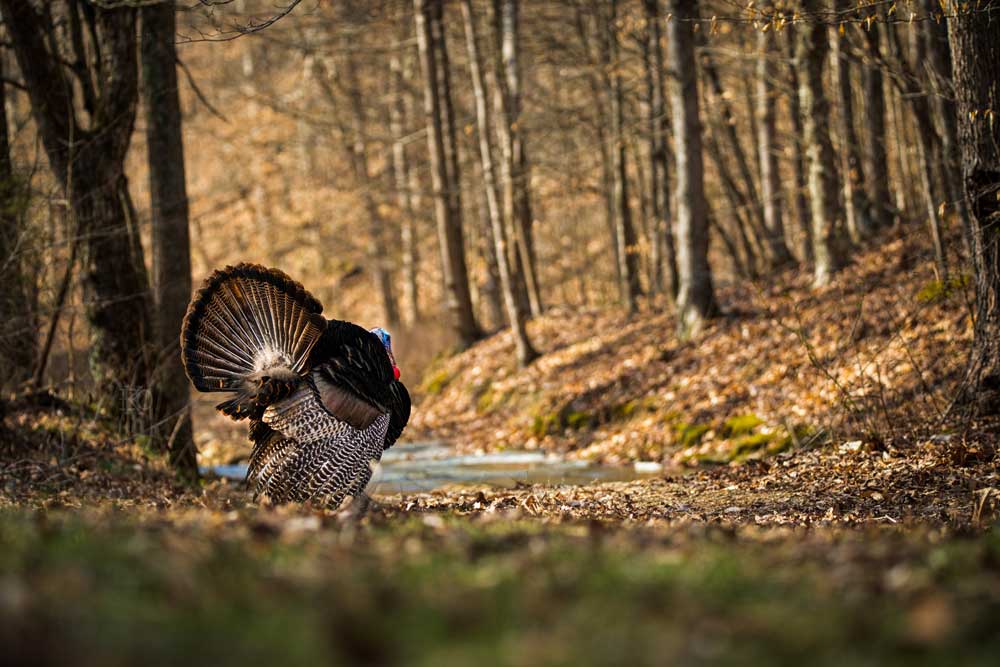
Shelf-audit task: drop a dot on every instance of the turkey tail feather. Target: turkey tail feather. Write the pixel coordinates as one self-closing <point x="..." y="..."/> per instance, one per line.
<point x="245" y="320"/>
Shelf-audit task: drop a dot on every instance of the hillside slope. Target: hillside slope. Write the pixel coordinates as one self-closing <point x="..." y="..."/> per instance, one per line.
<point x="873" y="356"/>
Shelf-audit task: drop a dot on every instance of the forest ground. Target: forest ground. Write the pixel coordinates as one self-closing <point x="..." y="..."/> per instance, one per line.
<point x="817" y="502"/>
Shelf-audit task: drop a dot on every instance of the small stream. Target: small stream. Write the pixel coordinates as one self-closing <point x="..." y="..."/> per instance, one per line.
<point x="425" y="466"/>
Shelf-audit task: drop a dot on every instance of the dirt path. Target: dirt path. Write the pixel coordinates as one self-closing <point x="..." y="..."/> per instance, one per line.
<point x="943" y="483"/>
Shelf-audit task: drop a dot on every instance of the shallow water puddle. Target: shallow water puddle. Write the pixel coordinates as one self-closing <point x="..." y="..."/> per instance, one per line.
<point x="425" y="466"/>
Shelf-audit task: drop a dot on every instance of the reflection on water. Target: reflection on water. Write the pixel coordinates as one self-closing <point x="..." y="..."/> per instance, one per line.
<point x="425" y="466"/>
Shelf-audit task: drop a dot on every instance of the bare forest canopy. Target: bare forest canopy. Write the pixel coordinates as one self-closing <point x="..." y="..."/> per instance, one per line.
<point x="452" y="169"/>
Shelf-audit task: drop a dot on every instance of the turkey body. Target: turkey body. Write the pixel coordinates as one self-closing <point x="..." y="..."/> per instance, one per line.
<point x="320" y="395"/>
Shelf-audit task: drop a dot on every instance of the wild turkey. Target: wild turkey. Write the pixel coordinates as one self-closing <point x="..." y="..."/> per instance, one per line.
<point x="323" y="396"/>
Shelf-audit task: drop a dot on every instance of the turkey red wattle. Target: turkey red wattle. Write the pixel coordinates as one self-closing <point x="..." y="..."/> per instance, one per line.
<point x="386" y="339"/>
<point x="392" y="360"/>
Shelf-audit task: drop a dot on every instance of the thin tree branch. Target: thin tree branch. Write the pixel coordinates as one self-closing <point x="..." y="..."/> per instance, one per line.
<point x="198" y="93"/>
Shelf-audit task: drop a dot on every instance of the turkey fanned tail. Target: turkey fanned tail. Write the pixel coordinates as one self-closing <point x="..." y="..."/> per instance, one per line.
<point x="249" y="330"/>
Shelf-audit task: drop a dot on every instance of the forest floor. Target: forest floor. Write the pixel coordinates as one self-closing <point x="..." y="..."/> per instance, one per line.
<point x="816" y="503"/>
<point x="876" y="355"/>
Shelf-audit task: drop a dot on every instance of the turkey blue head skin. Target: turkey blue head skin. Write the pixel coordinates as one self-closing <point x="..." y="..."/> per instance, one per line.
<point x="386" y="339"/>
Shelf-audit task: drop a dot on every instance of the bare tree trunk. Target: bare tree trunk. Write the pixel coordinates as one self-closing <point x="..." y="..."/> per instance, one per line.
<point x="738" y="203"/>
<point x="378" y="250"/>
<point x="429" y="37"/>
<point x="928" y="153"/>
<point x="491" y="291"/>
<point x="739" y="269"/>
<point x="750" y="93"/>
<point x="515" y="313"/>
<point x="640" y="158"/>
<point x="628" y="257"/>
<point x="939" y="70"/>
<point x="876" y="156"/>
<point x="828" y="242"/>
<point x="89" y="165"/>
<point x="904" y="182"/>
<point x="767" y="151"/>
<point x="776" y="252"/>
<point x="171" y="240"/>
<point x="515" y="256"/>
<point x="449" y="124"/>
<point x="517" y="181"/>
<point x="610" y="210"/>
<point x="18" y="326"/>
<point x="696" y="296"/>
<point x="975" y="46"/>
<point x="599" y="87"/>
<point x="398" y="117"/>
<point x="803" y="216"/>
<point x="859" y="224"/>
<point x="662" y="255"/>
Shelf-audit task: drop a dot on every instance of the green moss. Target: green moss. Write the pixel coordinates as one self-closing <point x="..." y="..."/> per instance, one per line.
<point x="739" y="439"/>
<point x="671" y="417"/>
<point x="740" y="425"/>
<point x="623" y="411"/>
<point x="435" y="383"/>
<point x="941" y="290"/>
<point x="689" y="435"/>
<point x="759" y="444"/>
<point x="545" y="423"/>
<point x="778" y="445"/>
<point x="485" y="400"/>
<point x="578" y="420"/>
<point x="629" y="409"/>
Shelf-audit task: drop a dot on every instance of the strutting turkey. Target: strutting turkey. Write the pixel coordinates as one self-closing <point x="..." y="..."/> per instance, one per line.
<point x="323" y="396"/>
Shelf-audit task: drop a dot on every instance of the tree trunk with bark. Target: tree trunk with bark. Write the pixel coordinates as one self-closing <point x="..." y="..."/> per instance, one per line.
<point x="859" y="224"/>
<point x="975" y="46"/>
<point x="171" y="241"/>
<point x="597" y="77"/>
<point x="928" y="146"/>
<point x="663" y="256"/>
<point x="767" y="152"/>
<point x="696" y="296"/>
<point x="628" y="255"/>
<point x="803" y="216"/>
<point x="379" y="255"/>
<point x="515" y="313"/>
<point x="738" y="204"/>
<point x="828" y="234"/>
<point x="88" y="162"/>
<point x="447" y="200"/>
<point x="876" y="156"/>
<point x="400" y="78"/>
<point x="738" y="267"/>
<point x="773" y="249"/>
<point x="938" y="66"/>
<point x="491" y="290"/>
<point x="517" y="173"/>
<point x="18" y="325"/>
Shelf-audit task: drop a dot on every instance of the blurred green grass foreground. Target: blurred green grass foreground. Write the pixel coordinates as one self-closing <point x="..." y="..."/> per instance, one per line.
<point x="259" y="586"/>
